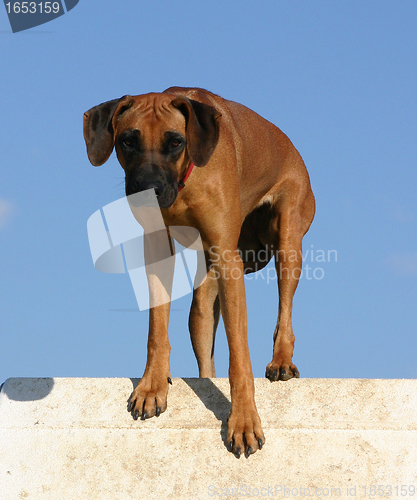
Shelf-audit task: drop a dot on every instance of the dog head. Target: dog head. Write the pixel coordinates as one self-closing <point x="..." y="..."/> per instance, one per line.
<point x="155" y="136"/>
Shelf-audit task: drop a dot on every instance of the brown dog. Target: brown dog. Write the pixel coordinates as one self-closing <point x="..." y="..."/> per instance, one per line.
<point x="252" y="198"/>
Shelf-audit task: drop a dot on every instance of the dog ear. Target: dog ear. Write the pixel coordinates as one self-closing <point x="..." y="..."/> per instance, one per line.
<point x="202" y="129"/>
<point x="98" y="128"/>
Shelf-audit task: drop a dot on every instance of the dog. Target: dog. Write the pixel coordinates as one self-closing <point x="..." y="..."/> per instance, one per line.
<point x="249" y="197"/>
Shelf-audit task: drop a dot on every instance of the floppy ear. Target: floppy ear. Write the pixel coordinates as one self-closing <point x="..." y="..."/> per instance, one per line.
<point x="202" y="129"/>
<point x="98" y="128"/>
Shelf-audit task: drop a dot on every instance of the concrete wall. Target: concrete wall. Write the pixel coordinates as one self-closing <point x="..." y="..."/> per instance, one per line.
<point x="73" y="439"/>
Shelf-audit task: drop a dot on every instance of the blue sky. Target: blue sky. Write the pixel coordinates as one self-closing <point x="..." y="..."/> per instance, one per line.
<point x="339" y="78"/>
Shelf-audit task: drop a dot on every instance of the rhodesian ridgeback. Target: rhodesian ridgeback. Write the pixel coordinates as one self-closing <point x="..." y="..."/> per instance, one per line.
<point x="249" y="197"/>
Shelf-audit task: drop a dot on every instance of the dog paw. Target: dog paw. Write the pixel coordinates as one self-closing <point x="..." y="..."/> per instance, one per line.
<point x="275" y="371"/>
<point x="244" y="433"/>
<point x="149" y="398"/>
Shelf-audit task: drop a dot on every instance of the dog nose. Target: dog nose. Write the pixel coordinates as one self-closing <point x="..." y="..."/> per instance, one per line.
<point x="149" y="184"/>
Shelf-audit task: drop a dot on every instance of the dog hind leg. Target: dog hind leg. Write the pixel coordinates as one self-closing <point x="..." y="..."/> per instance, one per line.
<point x="203" y="321"/>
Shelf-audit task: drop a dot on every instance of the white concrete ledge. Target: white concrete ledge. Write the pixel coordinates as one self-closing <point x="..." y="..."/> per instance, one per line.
<point x="73" y="439"/>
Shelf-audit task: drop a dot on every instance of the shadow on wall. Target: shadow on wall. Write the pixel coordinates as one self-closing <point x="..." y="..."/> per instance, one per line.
<point x="27" y="389"/>
<point x="212" y="398"/>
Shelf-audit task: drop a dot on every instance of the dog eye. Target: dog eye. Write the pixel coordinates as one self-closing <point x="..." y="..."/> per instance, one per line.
<point x="175" y="143"/>
<point x="128" y="143"/>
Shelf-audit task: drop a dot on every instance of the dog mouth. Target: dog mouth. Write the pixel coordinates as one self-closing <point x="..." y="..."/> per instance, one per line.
<point x="153" y="178"/>
<point x="145" y="195"/>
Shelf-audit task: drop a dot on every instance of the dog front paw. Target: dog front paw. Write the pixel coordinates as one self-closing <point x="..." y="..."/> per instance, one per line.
<point x="149" y="398"/>
<point x="244" y="433"/>
<point x="281" y="371"/>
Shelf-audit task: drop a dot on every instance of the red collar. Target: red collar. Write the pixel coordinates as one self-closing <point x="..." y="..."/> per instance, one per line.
<point x="181" y="184"/>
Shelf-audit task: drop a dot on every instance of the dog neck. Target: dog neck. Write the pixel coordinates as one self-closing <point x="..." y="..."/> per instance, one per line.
<point x="181" y="184"/>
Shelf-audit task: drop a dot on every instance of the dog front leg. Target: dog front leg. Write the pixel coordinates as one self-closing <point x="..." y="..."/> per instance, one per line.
<point x="150" y="396"/>
<point x="244" y="432"/>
